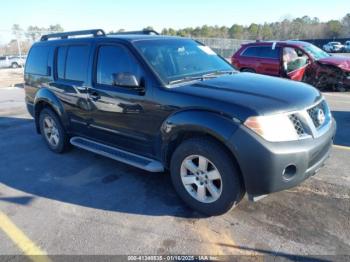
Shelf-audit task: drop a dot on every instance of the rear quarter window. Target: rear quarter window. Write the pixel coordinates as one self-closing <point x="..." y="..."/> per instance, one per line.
<point x="37" y="61"/>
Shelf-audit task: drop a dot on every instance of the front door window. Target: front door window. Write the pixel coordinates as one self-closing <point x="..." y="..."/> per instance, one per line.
<point x="293" y="59"/>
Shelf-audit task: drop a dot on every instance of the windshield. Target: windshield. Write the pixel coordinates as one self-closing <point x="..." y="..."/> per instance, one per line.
<point x="315" y="52"/>
<point x="176" y="59"/>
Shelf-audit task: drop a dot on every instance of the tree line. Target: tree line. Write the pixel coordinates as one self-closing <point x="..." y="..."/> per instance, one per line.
<point x="298" y="28"/>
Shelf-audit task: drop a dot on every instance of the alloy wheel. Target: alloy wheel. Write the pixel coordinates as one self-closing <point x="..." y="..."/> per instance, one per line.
<point x="51" y="132"/>
<point x="201" y="179"/>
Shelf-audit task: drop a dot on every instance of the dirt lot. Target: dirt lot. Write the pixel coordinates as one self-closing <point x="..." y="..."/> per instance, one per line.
<point x="11" y="77"/>
<point x="81" y="203"/>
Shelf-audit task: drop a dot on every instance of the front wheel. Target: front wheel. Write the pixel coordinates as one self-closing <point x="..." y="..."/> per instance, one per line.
<point x="205" y="176"/>
<point x="14" y="65"/>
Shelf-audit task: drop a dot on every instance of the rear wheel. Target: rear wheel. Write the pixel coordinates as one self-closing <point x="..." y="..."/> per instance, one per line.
<point x="53" y="131"/>
<point x="205" y="176"/>
<point x="14" y="65"/>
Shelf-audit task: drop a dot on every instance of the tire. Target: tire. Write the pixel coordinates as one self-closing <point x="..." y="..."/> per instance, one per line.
<point x="57" y="138"/>
<point x="248" y="70"/>
<point x="229" y="189"/>
<point x="14" y="65"/>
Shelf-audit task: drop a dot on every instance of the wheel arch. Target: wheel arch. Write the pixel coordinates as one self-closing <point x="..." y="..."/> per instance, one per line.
<point x="196" y="123"/>
<point x="47" y="99"/>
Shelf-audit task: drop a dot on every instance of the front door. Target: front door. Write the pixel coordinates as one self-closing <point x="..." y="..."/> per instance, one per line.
<point x="294" y="63"/>
<point x="121" y="115"/>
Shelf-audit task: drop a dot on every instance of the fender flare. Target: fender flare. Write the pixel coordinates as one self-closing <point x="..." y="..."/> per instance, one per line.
<point x="200" y="121"/>
<point x="47" y="97"/>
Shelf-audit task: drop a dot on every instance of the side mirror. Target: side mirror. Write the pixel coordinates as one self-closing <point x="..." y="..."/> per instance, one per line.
<point x="126" y="80"/>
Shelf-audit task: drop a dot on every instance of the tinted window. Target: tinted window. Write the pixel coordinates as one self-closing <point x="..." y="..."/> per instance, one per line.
<point x="268" y="52"/>
<point x="113" y="60"/>
<point x="262" y="51"/>
<point x="61" y="60"/>
<point x="251" y="51"/>
<point x="77" y="63"/>
<point x="37" y="60"/>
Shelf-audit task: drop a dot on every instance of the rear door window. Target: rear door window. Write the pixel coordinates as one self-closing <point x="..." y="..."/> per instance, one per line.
<point x="269" y="52"/>
<point x="262" y="52"/>
<point x="252" y="51"/>
<point x="37" y="61"/>
<point x="61" y="61"/>
<point x="76" y="64"/>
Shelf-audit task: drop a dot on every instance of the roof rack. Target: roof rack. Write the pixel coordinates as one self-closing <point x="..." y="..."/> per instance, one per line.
<point x="65" y="35"/>
<point x="142" y="32"/>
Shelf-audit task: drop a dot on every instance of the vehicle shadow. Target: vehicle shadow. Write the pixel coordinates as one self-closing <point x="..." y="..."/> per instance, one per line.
<point x="342" y="137"/>
<point x="79" y="177"/>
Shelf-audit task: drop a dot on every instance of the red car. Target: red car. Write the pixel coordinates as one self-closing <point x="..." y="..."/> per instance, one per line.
<point x="296" y="60"/>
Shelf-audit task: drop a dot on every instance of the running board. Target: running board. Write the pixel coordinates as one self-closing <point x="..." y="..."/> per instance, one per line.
<point x="118" y="154"/>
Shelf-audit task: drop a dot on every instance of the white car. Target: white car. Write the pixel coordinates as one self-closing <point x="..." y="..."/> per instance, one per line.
<point x="347" y="46"/>
<point x="333" y="47"/>
<point x="12" y="61"/>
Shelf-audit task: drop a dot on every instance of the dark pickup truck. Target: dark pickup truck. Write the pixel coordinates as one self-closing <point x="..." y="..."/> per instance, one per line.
<point x="168" y="103"/>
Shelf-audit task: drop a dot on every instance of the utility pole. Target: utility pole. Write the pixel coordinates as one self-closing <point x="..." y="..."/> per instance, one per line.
<point x="19" y="46"/>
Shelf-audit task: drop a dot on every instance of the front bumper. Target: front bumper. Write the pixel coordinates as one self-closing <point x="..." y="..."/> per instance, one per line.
<point x="263" y="163"/>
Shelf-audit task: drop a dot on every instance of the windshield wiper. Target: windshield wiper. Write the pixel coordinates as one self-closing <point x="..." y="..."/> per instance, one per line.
<point x="201" y="77"/>
<point x="221" y="72"/>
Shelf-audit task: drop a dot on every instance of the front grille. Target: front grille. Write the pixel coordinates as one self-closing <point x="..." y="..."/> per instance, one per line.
<point x="297" y="125"/>
<point x="313" y="112"/>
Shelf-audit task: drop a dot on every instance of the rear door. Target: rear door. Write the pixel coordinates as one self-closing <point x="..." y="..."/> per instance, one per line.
<point x="71" y="64"/>
<point x="264" y="59"/>
<point x="269" y="59"/>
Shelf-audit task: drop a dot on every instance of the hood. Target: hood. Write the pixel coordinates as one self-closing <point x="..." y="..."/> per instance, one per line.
<point x="342" y="62"/>
<point x="246" y="94"/>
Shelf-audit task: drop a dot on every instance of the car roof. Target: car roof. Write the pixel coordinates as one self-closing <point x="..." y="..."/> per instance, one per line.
<point x="296" y="43"/>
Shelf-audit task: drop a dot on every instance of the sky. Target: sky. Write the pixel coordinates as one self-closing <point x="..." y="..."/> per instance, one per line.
<point x="137" y="14"/>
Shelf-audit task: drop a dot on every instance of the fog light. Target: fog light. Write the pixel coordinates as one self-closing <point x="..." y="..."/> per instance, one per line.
<point x="289" y="172"/>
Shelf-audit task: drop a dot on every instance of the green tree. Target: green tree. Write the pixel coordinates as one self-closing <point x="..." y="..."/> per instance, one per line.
<point x="266" y="32"/>
<point x="236" y="31"/>
<point x="334" y="28"/>
<point x="253" y="31"/>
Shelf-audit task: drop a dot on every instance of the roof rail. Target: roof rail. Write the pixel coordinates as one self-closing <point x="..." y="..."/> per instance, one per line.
<point x="65" y="35"/>
<point x="142" y="32"/>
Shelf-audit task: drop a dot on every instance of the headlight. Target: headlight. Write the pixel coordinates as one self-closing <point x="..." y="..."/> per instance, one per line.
<point x="274" y="128"/>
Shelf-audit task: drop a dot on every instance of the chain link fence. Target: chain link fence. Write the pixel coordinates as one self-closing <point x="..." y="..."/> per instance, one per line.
<point x="222" y="46"/>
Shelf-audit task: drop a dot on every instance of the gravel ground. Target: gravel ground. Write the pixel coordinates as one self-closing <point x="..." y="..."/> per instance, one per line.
<point x="11" y="77"/>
